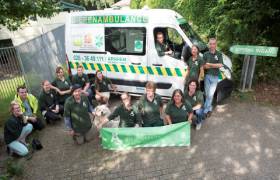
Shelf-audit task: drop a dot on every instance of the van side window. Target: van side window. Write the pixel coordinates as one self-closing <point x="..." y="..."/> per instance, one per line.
<point x="125" y="40"/>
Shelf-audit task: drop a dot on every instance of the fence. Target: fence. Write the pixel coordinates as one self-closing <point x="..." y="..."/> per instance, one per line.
<point x="10" y="72"/>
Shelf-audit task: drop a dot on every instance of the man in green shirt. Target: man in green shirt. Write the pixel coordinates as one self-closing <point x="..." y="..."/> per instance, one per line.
<point x="82" y="79"/>
<point x="77" y="117"/>
<point x="162" y="49"/>
<point x="126" y="111"/>
<point x="213" y="60"/>
<point x="150" y="107"/>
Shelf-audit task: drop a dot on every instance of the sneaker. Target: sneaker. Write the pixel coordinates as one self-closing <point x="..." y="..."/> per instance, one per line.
<point x="198" y="126"/>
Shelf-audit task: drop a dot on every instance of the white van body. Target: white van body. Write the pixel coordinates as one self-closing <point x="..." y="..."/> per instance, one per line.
<point x="121" y="44"/>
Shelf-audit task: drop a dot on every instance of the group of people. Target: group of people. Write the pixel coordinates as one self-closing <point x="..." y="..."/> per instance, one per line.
<point x="72" y="100"/>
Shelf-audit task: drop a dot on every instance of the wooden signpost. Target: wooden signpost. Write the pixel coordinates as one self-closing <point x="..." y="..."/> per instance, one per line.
<point x="249" y="63"/>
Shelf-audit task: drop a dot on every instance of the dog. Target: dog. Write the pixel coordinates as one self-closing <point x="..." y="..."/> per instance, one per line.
<point x="101" y="116"/>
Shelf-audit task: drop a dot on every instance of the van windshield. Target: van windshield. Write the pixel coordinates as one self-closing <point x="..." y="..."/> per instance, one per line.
<point x="194" y="37"/>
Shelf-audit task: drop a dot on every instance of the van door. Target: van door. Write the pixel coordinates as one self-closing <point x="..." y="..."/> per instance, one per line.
<point x="126" y="57"/>
<point x="167" y="71"/>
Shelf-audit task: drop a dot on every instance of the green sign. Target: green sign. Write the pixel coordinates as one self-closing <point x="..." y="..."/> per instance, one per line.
<point x="254" y="50"/>
<point x="126" y="138"/>
<point x="110" y="19"/>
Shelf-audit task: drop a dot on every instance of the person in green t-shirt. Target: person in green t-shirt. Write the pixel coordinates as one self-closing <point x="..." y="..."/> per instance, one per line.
<point x="150" y="107"/>
<point x="62" y="85"/>
<point x="161" y="47"/>
<point x="77" y="118"/>
<point x="195" y="97"/>
<point x="213" y="60"/>
<point x="126" y="111"/>
<point x="48" y="103"/>
<point x="195" y="66"/>
<point x="102" y="88"/>
<point x="178" y="110"/>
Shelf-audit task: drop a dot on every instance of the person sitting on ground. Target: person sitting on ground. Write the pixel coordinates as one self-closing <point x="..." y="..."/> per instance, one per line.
<point x="82" y="79"/>
<point x="48" y="103"/>
<point x="63" y="85"/>
<point x="195" y="97"/>
<point x="126" y="111"/>
<point x="150" y="107"/>
<point x="195" y="66"/>
<point x="178" y="110"/>
<point x="77" y="118"/>
<point x="29" y="106"/>
<point x="16" y="130"/>
<point x="161" y="47"/>
<point x="102" y="88"/>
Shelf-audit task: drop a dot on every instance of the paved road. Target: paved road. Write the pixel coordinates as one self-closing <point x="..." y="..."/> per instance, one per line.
<point x="239" y="141"/>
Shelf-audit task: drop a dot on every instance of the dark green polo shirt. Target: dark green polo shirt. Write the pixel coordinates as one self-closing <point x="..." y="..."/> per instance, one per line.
<point x="194" y="67"/>
<point x="197" y="98"/>
<point x="149" y="111"/>
<point x="78" y="113"/>
<point x="178" y="114"/>
<point x="161" y="49"/>
<point x="103" y="86"/>
<point x="81" y="80"/>
<point x="215" y="58"/>
<point x="63" y="86"/>
<point x="13" y="128"/>
<point x="127" y="117"/>
<point x="47" y="101"/>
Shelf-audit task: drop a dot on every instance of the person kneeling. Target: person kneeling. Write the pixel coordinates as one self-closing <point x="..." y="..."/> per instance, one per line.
<point x="16" y="130"/>
<point x="178" y="110"/>
<point x="77" y="118"/>
<point x="126" y="111"/>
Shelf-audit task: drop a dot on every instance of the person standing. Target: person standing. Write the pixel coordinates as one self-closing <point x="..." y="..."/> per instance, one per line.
<point x="29" y="106"/>
<point x="213" y="60"/>
<point x="16" y="130"/>
<point x="150" y="107"/>
<point x="178" y="110"/>
<point x="195" y="97"/>
<point x="77" y="118"/>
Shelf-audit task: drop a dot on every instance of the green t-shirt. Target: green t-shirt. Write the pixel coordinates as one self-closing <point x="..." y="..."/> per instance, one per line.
<point x="127" y="117"/>
<point x="78" y="114"/>
<point x="47" y="101"/>
<point x="63" y="86"/>
<point x="161" y="49"/>
<point x="149" y="111"/>
<point x="178" y="114"/>
<point x="215" y="58"/>
<point x="194" y="67"/>
<point x="81" y="80"/>
<point x="103" y="86"/>
<point x="197" y="98"/>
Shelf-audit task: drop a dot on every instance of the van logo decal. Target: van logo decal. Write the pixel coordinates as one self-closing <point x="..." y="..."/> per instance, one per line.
<point x="110" y="19"/>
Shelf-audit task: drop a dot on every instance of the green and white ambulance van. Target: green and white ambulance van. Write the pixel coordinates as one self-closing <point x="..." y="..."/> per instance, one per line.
<point x="121" y="44"/>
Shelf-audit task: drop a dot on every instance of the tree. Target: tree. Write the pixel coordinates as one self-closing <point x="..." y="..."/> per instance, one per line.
<point x="16" y="12"/>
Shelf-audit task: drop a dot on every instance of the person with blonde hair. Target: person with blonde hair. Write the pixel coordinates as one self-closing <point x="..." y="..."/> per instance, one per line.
<point x="16" y="129"/>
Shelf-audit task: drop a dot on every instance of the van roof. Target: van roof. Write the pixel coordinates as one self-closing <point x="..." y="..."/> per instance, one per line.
<point x="152" y="16"/>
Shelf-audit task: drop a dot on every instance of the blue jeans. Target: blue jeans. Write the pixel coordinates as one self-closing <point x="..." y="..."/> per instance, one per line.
<point x="210" y="85"/>
<point x="18" y="147"/>
<point x="199" y="115"/>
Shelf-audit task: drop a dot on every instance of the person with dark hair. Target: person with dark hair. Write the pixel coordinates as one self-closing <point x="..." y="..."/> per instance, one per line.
<point x="16" y="130"/>
<point x="195" y="97"/>
<point x="49" y="104"/>
<point x="77" y="118"/>
<point x="150" y="107"/>
<point x="82" y="79"/>
<point x="102" y="88"/>
<point x="29" y="106"/>
<point x="195" y="66"/>
<point x="126" y="111"/>
<point x="63" y="85"/>
<point x="213" y="60"/>
<point x="161" y="47"/>
<point x="178" y="110"/>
